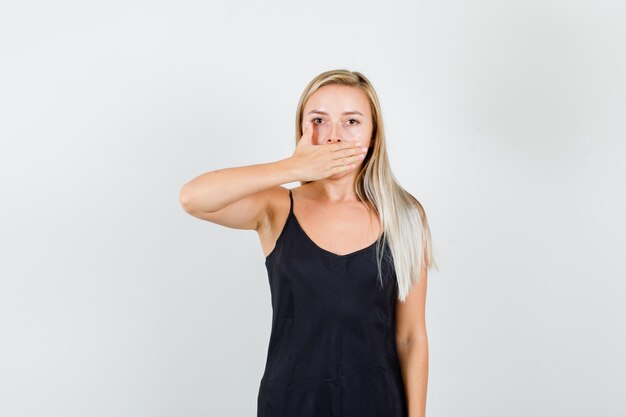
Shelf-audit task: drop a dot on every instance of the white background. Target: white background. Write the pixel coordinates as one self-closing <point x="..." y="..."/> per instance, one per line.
<point x="505" y="119"/>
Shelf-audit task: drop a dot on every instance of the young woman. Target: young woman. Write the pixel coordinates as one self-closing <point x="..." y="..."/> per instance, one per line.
<point x="347" y="254"/>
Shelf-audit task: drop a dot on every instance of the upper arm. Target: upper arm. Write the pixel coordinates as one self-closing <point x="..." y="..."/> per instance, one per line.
<point x="411" y="314"/>
<point x="247" y="213"/>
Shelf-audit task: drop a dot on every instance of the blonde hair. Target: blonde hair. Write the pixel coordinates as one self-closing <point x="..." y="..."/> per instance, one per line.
<point x="403" y="219"/>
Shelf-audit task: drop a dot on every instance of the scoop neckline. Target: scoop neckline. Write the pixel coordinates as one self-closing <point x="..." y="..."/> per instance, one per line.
<point x="336" y="255"/>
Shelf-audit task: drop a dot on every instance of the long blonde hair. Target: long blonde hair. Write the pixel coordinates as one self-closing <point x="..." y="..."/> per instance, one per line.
<point x="403" y="219"/>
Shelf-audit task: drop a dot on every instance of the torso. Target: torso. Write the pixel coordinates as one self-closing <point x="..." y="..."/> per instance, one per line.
<point x="341" y="227"/>
<point x="332" y="346"/>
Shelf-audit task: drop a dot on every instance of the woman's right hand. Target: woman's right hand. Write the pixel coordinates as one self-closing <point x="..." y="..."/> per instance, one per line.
<point x="314" y="162"/>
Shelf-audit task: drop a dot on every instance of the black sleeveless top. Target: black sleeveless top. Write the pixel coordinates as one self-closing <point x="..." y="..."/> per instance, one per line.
<point x="332" y="350"/>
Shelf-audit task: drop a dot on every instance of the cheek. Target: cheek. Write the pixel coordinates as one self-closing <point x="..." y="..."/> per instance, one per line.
<point x="362" y="132"/>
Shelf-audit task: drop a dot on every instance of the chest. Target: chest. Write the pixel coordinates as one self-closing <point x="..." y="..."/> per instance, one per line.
<point x="338" y="230"/>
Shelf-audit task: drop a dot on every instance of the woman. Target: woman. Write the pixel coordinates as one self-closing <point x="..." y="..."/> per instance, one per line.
<point x="347" y="254"/>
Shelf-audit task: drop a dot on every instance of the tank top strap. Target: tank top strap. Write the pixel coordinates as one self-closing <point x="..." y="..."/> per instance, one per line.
<point x="290" y="203"/>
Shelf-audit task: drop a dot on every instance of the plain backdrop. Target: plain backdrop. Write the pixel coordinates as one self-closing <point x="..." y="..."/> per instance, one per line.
<point x="506" y="119"/>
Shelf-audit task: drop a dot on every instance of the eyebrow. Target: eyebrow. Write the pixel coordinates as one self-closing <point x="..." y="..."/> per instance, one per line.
<point x="344" y="113"/>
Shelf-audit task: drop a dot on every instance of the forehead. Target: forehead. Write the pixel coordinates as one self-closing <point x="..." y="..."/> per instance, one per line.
<point x="338" y="98"/>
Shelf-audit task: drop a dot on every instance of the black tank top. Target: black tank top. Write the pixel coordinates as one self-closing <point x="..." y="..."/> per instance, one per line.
<point x="332" y="350"/>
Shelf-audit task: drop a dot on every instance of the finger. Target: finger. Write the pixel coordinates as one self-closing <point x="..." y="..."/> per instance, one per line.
<point x="348" y="144"/>
<point x="342" y="168"/>
<point x="356" y="151"/>
<point x="349" y="160"/>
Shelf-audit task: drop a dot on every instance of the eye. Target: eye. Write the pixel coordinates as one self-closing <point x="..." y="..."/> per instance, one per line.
<point x="316" y="118"/>
<point x="355" y="120"/>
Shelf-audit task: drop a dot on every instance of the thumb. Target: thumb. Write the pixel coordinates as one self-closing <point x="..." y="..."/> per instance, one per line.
<point x="307" y="134"/>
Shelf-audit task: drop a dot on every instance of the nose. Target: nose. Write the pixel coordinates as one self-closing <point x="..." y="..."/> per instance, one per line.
<point x="334" y="133"/>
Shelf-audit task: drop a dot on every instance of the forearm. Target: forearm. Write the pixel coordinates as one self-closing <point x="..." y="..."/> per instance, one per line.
<point x="413" y="359"/>
<point x="216" y="189"/>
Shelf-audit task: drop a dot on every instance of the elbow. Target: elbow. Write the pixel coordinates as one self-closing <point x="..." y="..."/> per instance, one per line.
<point x="184" y="198"/>
<point x="420" y="338"/>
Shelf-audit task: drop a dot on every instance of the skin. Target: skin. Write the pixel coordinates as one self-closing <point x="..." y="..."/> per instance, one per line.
<point x="252" y="197"/>
<point x="328" y="209"/>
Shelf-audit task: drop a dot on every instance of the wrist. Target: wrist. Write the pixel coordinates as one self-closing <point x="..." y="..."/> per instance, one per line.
<point x="288" y="170"/>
